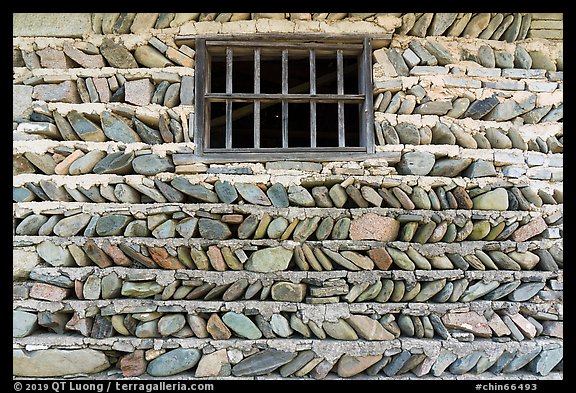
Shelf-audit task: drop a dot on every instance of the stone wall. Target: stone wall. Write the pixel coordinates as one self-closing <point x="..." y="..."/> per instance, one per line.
<point x="438" y="257"/>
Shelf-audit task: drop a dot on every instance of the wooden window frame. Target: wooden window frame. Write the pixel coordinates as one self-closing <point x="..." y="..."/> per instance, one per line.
<point x="364" y="97"/>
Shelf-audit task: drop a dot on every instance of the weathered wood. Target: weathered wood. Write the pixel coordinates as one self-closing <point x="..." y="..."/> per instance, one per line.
<point x="199" y="104"/>
<point x="367" y="110"/>
<point x="229" y="65"/>
<point x="275" y="97"/>
<point x="257" y="102"/>
<point x="378" y="39"/>
<point x="284" y="103"/>
<point x="280" y="45"/>
<point x="340" y="91"/>
<point x="312" y="103"/>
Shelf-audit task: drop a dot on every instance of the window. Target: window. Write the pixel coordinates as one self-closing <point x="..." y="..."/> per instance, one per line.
<point x="296" y="96"/>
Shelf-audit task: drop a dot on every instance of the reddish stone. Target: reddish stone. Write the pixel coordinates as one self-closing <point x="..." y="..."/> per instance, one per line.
<point x="82" y="325"/>
<point x="116" y="254"/>
<point x="83" y="59"/>
<point x="62" y="92"/>
<point x="232" y="218"/>
<point x="469" y="322"/>
<point x="462" y="198"/>
<point x="134" y="364"/>
<point x="165" y="260"/>
<point x="217" y="329"/>
<point x="79" y="289"/>
<point x="533" y="228"/>
<point x="97" y="256"/>
<point x="381" y="258"/>
<point x="53" y="58"/>
<point x="374" y="227"/>
<point x="139" y="91"/>
<point x="48" y="292"/>
<point x="102" y="88"/>
<point x="216" y="258"/>
<point x="524" y="325"/>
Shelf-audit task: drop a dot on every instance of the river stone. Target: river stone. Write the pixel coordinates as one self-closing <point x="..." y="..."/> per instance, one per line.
<point x="149" y="135"/>
<point x="152" y="164"/>
<point x="339" y="330"/>
<point x="116" y="163"/>
<point x="147" y="329"/>
<point x="349" y="366"/>
<point x="442" y="135"/>
<point x="214" y="230"/>
<point x="166" y="230"/>
<point x="170" y="324"/>
<point x="416" y="163"/>
<point x="248" y="226"/>
<point x="300" y="196"/>
<point x="359" y="260"/>
<point x="341" y="229"/>
<point x="187" y="227"/>
<point x="116" y="129"/>
<point x="324" y="228"/>
<point x="340" y="260"/>
<point x="397" y="363"/>
<point x="215" y="364"/>
<point x="492" y="200"/>
<point x="503" y="261"/>
<point x="420" y="198"/>
<point x="371" y="226"/>
<point x="278" y="196"/>
<point x="280" y="326"/>
<point x="381" y="258"/>
<point x="368" y="328"/>
<point x="408" y="133"/>
<point x="429" y="289"/>
<point x="31" y="224"/>
<point x="136" y="228"/>
<point x="526" y="291"/>
<point x="112" y="225"/>
<point x="449" y="167"/>
<point x="510" y="108"/>
<point x="54" y="255"/>
<point x="478" y="290"/>
<point x="546" y="361"/>
<point x="196" y="191"/>
<point x="480" y="229"/>
<point x="321" y="196"/>
<point x="116" y="54"/>
<point x="241" y="325"/>
<point x="86" y="163"/>
<point x="401" y="259"/>
<point x="303" y="358"/>
<point x="262" y="363"/>
<point x="225" y="191"/>
<point x="465" y="364"/>
<point x="23" y="323"/>
<point x="277" y="227"/>
<point x="22" y="194"/>
<point x="111" y="286"/>
<point x="527" y="260"/>
<point x="338" y="195"/>
<point x="270" y="259"/>
<point x="480" y="108"/>
<point x="141" y="289"/>
<point x="86" y="129"/>
<point x="58" y="362"/>
<point x="174" y="362"/>
<point x="542" y="61"/>
<point x="253" y="194"/>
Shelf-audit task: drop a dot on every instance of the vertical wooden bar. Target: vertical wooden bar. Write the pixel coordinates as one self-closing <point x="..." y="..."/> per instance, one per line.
<point x="257" y="102"/>
<point x="365" y="87"/>
<point x="340" y="86"/>
<point x="312" y="103"/>
<point x="228" y="102"/>
<point x="284" y="103"/>
<point x="201" y="113"/>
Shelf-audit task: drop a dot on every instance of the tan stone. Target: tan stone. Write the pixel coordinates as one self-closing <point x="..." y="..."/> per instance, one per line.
<point x="217" y="329"/>
<point x="351" y="365"/>
<point x="374" y="227"/>
<point x="214" y="364"/>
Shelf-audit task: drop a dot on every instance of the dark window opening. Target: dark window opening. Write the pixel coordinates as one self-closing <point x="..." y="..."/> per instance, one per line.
<point x="264" y="97"/>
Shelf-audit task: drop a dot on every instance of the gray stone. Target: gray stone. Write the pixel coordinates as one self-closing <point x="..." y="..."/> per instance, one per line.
<point x="408" y="133"/>
<point x="170" y="324"/>
<point x="173" y="362"/>
<point x="86" y="163"/>
<point x="71" y="226"/>
<point x="416" y="163"/>
<point x="439" y="51"/>
<point x="253" y="194"/>
<point x="339" y="330"/>
<point x="341" y="229"/>
<point x="465" y="363"/>
<point x="149" y="135"/>
<point x="269" y="259"/>
<point x="503" y="59"/>
<point x="540" y="60"/>
<point x="277" y="227"/>
<point x="522" y="58"/>
<point x="300" y="196"/>
<point x="116" y="129"/>
<point x="442" y="135"/>
<point x="58" y="362"/>
<point x="521" y="360"/>
<point x="441" y="22"/>
<point x="480" y="108"/>
<point x="262" y="363"/>
<point x="22" y="194"/>
<point x="141" y="289"/>
<point x="390" y="135"/>
<point x="440" y="108"/>
<point x="338" y="195"/>
<point x="84" y="128"/>
<point x="492" y="200"/>
<point x="546" y="361"/>
<point x="241" y="325"/>
<point x="31" y="224"/>
<point x="116" y="54"/>
<point x="187" y="227"/>
<point x="459" y="107"/>
<point x="166" y="230"/>
<point x="277" y="195"/>
<point x="248" y="226"/>
<point x="397" y="362"/>
<point x="212" y="229"/>
<point x="449" y="167"/>
<point x="526" y="291"/>
<point x="486" y="56"/>
<point x="117" y="163"/>
<point x="23" y="323"/>
<point x="172" y="95"/>
<point x="112" y="225"/>
<point x="225" y="191"/>
<point x="152" y="164"/>
<point x="111" y="286"/>
<point x="196" y="191"/>
<point x="55" y="192"/>
<point x="149" y="56"/>
<point x="398" y="62"/>
<point x="478" y="290"/>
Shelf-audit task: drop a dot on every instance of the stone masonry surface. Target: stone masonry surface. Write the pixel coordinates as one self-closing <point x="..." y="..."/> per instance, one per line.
<point x="439" y="256"/>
